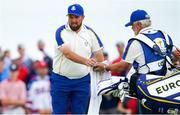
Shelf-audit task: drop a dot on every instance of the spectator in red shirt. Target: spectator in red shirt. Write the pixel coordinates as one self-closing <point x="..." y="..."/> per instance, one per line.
<point x="23" y="70"/>
<point x="120" y="48"/>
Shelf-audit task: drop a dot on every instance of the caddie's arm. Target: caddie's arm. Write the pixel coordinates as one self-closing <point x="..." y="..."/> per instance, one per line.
<point x="132" y="52"/>
<point x="119" y="67"/>
<point x="68" y="53"/>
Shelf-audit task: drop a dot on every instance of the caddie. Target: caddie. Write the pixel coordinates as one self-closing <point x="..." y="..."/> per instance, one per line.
<point x="148" y="52"/>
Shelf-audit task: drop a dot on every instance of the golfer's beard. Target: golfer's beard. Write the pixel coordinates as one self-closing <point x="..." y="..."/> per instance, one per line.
<point x="75" y="28"/>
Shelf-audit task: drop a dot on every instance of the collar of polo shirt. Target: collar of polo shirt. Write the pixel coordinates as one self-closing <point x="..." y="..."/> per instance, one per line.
<point x="147" y="30"/>
<point x="82" y="28"/>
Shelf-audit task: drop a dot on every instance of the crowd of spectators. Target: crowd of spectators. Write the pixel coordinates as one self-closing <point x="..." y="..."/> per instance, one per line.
<point x="24" y="82"/>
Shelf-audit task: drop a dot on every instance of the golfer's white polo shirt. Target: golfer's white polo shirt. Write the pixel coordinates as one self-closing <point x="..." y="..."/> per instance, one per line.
<point x="83" y="43"/>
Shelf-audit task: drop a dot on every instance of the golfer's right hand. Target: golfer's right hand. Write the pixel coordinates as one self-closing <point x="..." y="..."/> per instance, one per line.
<point x="90" y="62"/>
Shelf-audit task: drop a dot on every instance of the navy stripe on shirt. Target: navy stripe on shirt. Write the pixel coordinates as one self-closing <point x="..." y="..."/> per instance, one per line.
<point x="98" y="39"/>
<point x="127" y="48"/>
<point x="59" y="38"/>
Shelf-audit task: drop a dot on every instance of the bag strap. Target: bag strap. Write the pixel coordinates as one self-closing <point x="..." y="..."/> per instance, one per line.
<point x="150" y="43"/>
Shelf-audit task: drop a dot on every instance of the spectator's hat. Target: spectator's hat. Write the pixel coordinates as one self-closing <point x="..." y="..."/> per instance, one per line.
<point x="14" y="67"/>
<point x="42" y="64"/>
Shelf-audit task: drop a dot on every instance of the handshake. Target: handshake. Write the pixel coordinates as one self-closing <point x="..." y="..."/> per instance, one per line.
<point x="97" y="66"/>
